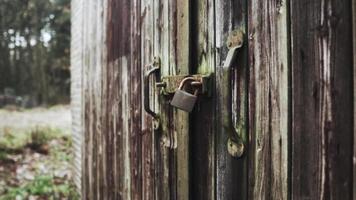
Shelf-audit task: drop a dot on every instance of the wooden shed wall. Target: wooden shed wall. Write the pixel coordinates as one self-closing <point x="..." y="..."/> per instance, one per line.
<point x="299" y="59"/>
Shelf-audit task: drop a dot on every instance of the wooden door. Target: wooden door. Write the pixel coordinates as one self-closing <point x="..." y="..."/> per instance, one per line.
<point x="291" y="105"/>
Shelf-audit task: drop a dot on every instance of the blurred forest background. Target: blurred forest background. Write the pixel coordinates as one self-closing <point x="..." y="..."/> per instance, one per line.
<point x="35" y="140"/>
<point x="34" y="52"/>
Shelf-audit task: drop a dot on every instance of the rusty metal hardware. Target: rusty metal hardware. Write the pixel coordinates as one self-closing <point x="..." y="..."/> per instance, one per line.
<point x="235" y="144"/>
<point x="169" y="84"/>
<point x="155" y="70"/>
<point x="184" y="100"/>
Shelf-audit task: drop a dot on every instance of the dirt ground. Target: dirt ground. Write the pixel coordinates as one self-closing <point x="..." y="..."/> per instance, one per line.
<point x="36" y="154"/>
<point x="57" y="116"/>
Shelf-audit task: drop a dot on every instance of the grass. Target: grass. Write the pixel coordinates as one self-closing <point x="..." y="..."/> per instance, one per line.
<point x="15" y="141"/>
<point x="3" y="156"/>
<point x="38" y="139"/>
<point x="11" y="142"/>
<point x="42" y="186"/>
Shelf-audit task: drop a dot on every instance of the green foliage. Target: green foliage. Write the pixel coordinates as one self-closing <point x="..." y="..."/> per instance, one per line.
<point x="3" y="155"/>
<point x="42" y="186"/>
<point x="60" y="152"/>
<point x="35" y="48"/>
<point x="42" y="135"/>
<point x="15" y="140"/>
<point x="46" y="184"/>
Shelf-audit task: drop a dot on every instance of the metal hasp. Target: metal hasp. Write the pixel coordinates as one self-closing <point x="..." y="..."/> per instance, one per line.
<point x="155" y="70"/>
<point x="235" y="145"/>
<point x="170" y="84"/>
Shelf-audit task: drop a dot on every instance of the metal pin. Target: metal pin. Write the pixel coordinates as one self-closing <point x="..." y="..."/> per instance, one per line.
<point x="161" y="84"/>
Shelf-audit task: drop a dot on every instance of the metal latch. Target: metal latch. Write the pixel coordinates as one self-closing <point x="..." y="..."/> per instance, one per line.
<point x="170" y="84"/>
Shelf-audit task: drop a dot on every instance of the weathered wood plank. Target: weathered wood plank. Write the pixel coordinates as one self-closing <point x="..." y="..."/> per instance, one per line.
<point x="202" y="135"/>
<point x="119" y="48"/>
<point x="181" y="54"/>
<point x="322" y="120"/>
<point x="165" y="188"/>
<point x="148" y="137"/>
<point x="268" y="99"/>
<point x="354" y="85"/>
<point x="92" y="55"/>
<point x="112" y="112"/>
<point x="172" y="34"/>
<point x="231" y="173"/>
<point x="135" y="123"/>
<point x="100" y="16"/>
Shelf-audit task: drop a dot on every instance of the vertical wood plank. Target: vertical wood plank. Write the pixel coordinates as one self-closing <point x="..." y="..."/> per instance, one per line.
<point x="148" y="145"/>
<point x="112" y="111"/>
<point x="93" y="54"/>
<point x="268" y="99"/>
<point x="202" y="122"/>
<point x="322" y="133"/>
<point x="119" y="62"/>
<point x="135" y="120"/>
<point x="181" y="45"/>
<point x="172" y="33"/>
<point x="354" y="89"/>
<point x="164" y="188"/>
<point x="231" y="173"/>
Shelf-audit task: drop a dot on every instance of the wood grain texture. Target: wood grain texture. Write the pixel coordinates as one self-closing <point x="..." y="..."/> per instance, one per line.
<point x="354" y="89"/>
<point x="148" y="155"/>
<point x="322" y="119"/>
<point x="202" y="121"/>
<point x="172" y="45"/>
<point x="165" y="187"/>
<point x="293" y="90"/>
<point x="112" y="113"/>
<point x="231" y="173"/>
<point x="181" y="45"/>
<point x="135" y="104"/>
<point x="268" y="99"/>
<point x="93" y="54"/>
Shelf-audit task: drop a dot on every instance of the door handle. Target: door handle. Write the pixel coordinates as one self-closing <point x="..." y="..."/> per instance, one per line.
<point x="155" y="70"/>
<point x="235" y="144"/>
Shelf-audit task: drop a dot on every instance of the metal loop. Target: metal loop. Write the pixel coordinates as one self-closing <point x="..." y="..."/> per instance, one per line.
<point x="185" y="80"/>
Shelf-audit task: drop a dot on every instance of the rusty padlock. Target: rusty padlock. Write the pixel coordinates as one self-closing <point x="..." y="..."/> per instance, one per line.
<point x="184" y="100"/>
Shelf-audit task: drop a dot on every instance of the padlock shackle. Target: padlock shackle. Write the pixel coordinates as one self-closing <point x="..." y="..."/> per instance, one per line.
<point x="185" y="80"/>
